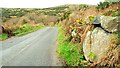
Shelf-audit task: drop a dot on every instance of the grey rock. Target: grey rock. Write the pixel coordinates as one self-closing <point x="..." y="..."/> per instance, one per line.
<point x="99" y="42"/>
<point x="87" y="45"/>
<point x="110" y="24"/>
<point x="96" y="20"/>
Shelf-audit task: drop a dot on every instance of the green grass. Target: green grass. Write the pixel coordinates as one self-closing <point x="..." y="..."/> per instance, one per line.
<point x="3" y="36"/>
<point x="118" y="38"/>
<point x="71" y="53"/>
<point x="25" y="29"/>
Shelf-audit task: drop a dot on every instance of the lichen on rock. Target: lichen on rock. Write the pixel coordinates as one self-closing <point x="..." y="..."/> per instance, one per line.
<point x="102" y="43"/>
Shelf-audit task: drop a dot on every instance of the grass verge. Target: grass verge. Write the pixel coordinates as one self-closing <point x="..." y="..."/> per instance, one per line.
<point x="25" y="29"/>
<point x="71" y="53"/>
<point x="3" y="36"/>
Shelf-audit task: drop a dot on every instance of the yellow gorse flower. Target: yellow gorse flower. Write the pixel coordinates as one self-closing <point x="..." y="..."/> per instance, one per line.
<point x="77" y="21"/>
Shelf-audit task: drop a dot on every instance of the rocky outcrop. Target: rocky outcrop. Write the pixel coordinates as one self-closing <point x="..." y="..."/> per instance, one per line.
<point x="99" y="45"/>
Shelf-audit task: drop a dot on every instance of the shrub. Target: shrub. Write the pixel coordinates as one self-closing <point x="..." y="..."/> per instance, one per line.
<point x="26" y="28"/>
<point x="24" y="20"/>
<point x="113" y="13"/>
<point x="8" y="28"/>
<point x="8" y="12"/>
<point x="13" y="20"/>
<point x="23" y="28"/>
<point x="102" y="5"/>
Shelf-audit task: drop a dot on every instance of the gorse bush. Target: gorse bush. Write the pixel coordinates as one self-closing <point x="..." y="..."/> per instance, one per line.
<point x="23" y="28"/>
<point x="112" y="13"/>
<point x="34" y="17"/>
<point x="23" y="20"/>
<point x="26" y="28"/>
<point x="75" y="28"/>
<point x="103" y="5"/>
<point x="65" y="16"/>
<point x="13" y="30"/>
<point x="8" y="28"/>
<point x="13" y="20"/>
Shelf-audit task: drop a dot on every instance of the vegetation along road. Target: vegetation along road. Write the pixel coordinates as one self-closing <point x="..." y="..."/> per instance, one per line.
<point x="34" y="49"/>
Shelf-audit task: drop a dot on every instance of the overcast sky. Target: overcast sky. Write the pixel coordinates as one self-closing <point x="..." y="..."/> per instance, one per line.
<point x="42" y="3"/>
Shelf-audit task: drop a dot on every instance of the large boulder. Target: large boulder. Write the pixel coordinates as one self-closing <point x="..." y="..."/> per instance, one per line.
<point x="110" y="24"/>
<point x="87" y="45"/>
<point x="101" y="44"/>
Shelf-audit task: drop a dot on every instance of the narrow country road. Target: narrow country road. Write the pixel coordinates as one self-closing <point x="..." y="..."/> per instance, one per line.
<point x="34" y="49"/>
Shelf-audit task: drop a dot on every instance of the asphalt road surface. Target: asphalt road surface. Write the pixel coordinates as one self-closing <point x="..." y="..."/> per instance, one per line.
<point x="34" y="49"/>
